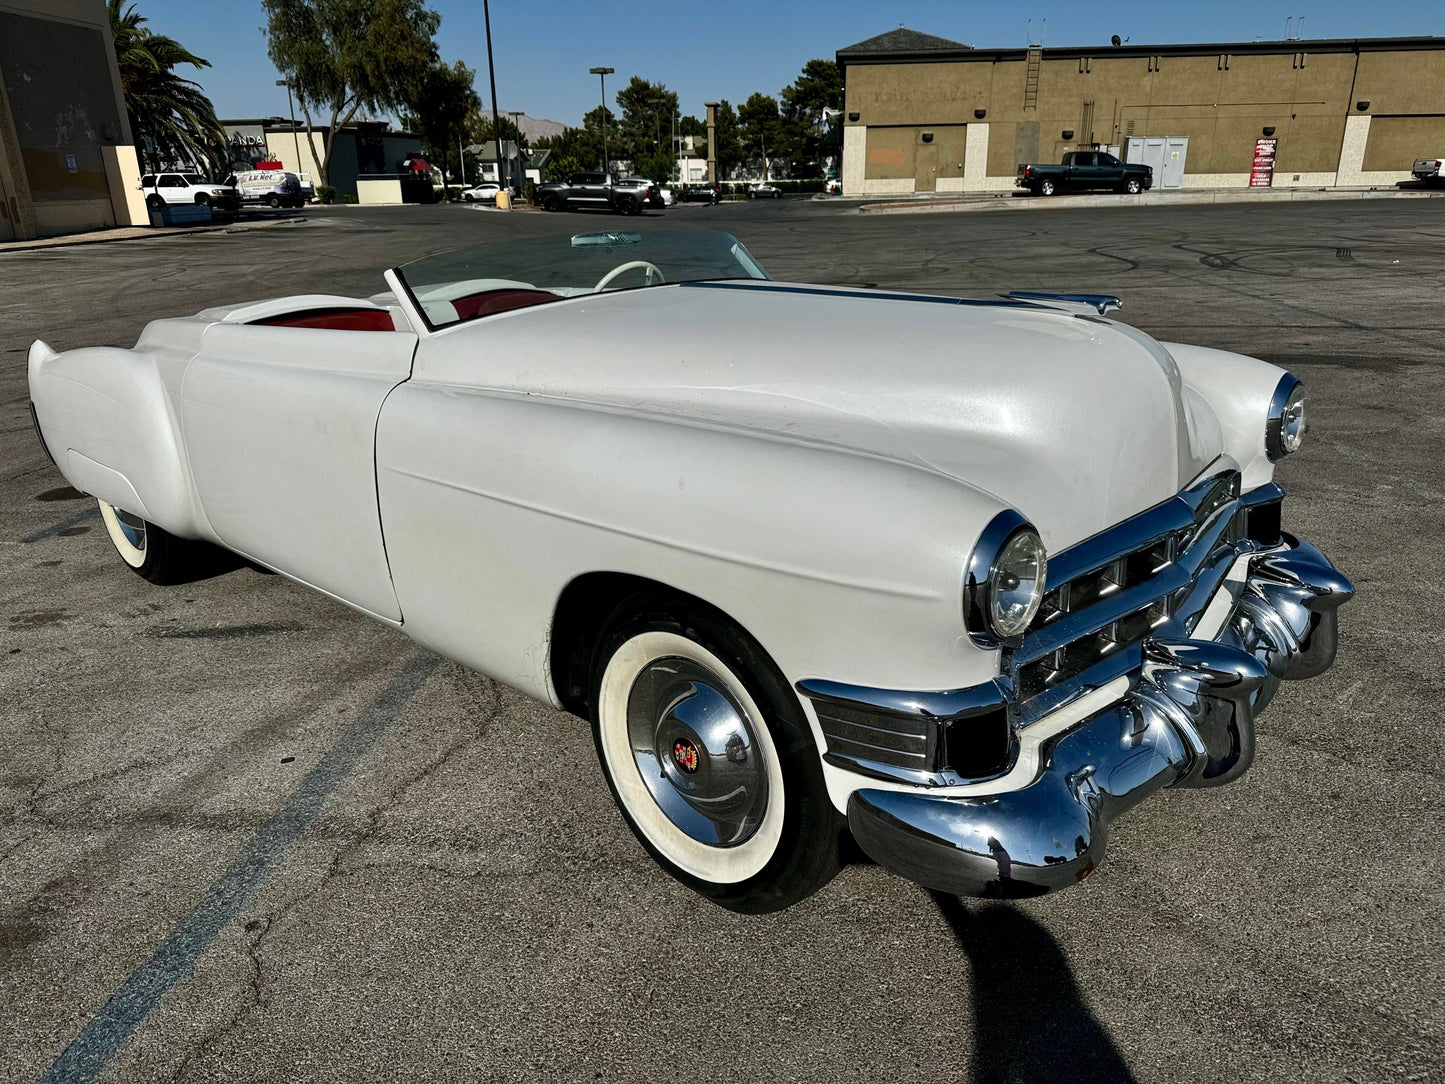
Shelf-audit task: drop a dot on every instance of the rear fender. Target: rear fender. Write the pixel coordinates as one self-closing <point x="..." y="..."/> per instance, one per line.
<point x="110" y="426"/>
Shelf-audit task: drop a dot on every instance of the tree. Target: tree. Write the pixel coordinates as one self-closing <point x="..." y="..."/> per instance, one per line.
<point x="762" y="129"/>
<point x="343" y="56"/>
<point x="646" y="125"/>
<point x="819" y="87"/>
<point x="171" y="119"/>
<point x="574" y="150"/>
<point x="444" y="101"/>
<point x="728" y="139"/>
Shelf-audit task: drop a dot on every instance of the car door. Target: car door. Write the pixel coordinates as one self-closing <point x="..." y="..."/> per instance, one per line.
<point x="1111" y="170"/>
<point x="1083" y="173"/>
<point x="280" y="426"/>
<point x="172" y="188"/>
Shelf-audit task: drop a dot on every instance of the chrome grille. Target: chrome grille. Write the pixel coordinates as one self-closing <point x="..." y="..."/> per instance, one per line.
<point x="1143" y="577"/>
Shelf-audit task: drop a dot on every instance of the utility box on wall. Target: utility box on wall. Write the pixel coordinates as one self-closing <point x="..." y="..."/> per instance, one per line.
<point x="1166" y="154"/>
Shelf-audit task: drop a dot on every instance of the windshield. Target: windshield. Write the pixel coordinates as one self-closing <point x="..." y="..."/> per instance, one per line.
<point x="469" y="283"/>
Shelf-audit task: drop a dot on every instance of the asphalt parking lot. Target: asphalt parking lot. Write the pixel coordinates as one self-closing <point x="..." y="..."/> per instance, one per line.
<point x="247" y="834"/>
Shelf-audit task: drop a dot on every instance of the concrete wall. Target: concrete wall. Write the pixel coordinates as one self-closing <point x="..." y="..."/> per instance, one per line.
<point x="1308" y="92"/>
<point x="67" y="160"/>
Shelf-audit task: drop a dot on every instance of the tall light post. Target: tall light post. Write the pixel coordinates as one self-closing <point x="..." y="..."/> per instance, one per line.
<point x="514" y="114"/>
<point x="492" y="77"/>
<point x="294" y="141"/>
<point x="602" y="74"/>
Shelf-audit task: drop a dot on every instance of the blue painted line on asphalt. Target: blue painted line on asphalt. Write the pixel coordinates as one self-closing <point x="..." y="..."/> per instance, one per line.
<point x="91" y="1051"/>
<point x="74" y="521"/>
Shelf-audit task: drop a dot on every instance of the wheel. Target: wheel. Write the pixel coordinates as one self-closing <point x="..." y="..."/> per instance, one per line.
<point x="625" y="206"/>
<point x="155" y="202"/>
<point x="1133" y="186"/>
<point x="154" y="553"/>
<point x="203" y="201"/>
<point x="1046" y="188"/>
<point x="710" y="758"/>
<point x="274" y="202"/>
<point x="551" y="203"/>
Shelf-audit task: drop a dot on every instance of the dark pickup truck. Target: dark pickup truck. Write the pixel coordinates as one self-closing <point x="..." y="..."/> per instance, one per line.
<point x="1086" y="169"/>
<point x="599" y="190"/>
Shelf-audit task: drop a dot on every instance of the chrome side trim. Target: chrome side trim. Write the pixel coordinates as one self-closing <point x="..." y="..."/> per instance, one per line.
<point x="1103" y="304"/>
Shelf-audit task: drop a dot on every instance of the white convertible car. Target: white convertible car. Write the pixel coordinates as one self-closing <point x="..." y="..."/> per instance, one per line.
<point x="968" y="577"/>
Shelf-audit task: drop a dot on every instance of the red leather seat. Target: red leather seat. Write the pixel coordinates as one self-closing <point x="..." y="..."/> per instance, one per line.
<point x="335" y="320"/>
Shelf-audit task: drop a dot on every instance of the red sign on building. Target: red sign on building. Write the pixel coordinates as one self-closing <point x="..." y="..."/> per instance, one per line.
<point x="1262" y="175"/>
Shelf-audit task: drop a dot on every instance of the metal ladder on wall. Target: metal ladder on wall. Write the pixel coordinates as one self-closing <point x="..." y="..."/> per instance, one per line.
<point x="1031" y="80"/>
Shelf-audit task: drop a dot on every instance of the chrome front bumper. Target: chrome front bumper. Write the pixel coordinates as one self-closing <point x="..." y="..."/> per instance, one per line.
<point x="1187" y="721"/>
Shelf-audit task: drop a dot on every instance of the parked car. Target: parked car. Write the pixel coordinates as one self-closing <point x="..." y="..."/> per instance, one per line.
<point x="1082" y="170"/>
<point x="1429" y="170"/>
<point x="764" y="191"/>
<point x="273" y="187"/>
<point x="972" y="604"/>
<point x="593" y="190"/>
<point x="163" y="188"/>
<point x="700" y="193"/>
<point x="658" y="195"/>
<point x="482" y="193"/>
<point x="833" y="187"/>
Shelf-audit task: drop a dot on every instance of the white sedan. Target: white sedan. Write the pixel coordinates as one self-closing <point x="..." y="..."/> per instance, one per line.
<point x="966" y="577"/>
<point x="482" y="193"/>
<point x="764" y="191"/>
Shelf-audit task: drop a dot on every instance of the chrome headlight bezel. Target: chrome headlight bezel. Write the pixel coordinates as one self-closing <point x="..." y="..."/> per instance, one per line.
<point x="986" y="626"/>
<point x="1288" y="418"/>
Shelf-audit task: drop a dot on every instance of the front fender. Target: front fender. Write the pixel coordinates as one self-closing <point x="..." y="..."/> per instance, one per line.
<point x="492" y="504"/>
<point x="1238" y="389"/>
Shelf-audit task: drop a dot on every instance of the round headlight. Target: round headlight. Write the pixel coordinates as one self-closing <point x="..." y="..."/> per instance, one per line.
<point x="1285" y="428"/>
<point x="1017" y="584"/>
<point x="1005" y="580"/>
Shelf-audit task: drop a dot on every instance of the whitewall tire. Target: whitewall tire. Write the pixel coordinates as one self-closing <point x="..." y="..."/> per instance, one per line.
<point x="710" y="757"/>
<point x="155" y="554"/>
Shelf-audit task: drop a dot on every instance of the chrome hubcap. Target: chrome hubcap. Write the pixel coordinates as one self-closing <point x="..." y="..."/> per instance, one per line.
<point x="697" y="752"/>
<point x="133" y="527"/>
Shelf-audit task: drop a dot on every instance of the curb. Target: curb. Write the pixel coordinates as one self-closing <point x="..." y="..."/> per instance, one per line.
<point x="1009" y="202"/>
<point x="139" y="233"/>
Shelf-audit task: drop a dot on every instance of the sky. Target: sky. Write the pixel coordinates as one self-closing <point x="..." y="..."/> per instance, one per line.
<point x="706" y="51"/>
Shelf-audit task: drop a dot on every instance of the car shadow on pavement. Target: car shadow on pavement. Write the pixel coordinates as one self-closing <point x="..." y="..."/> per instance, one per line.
<point x="1030" y="1022"/>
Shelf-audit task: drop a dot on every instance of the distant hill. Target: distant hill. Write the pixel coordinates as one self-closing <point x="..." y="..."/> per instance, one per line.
<point x="535" y="128"/>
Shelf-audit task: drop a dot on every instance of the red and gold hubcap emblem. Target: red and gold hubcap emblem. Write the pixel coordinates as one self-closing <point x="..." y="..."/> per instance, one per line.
<point x="684" y="755"/>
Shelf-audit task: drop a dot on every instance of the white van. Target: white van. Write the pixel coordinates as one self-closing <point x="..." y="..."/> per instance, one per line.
<point x="272" y="186"/>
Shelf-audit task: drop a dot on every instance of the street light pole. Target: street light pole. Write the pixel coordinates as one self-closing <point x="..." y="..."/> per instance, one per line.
<point x="602" y="74"/>
<point x="294" y="141"/>
<point x="514" y="114"/>
<point x="492" y="76"/>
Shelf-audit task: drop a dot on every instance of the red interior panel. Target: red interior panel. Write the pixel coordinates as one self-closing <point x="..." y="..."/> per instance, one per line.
<point x="335" y="320"/>
<point x="493" y="301"/>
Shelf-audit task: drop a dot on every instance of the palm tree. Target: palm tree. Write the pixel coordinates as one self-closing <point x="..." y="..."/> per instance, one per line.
<point x="171" y="118"/>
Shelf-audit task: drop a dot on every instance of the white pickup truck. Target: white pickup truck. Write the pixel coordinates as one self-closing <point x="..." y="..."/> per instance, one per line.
<point x="1429" y="170"/>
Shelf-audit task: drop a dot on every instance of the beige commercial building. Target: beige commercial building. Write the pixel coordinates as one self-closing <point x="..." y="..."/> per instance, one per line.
<point x="67" y="159"/>
<point x="924" y="114"/>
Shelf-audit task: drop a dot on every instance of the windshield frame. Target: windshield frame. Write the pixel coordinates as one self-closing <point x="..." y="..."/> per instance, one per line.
<point x="407" y="292"/>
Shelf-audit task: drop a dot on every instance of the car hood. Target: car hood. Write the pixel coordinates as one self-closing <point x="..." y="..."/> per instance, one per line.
<point x="1078" y="422"/>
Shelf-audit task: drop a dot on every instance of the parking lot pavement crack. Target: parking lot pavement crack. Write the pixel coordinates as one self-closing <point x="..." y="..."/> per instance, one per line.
<point x="93" y="1049"/>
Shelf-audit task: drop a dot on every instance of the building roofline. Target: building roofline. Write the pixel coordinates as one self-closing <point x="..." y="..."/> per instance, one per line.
<point x="1240" y="48"/>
